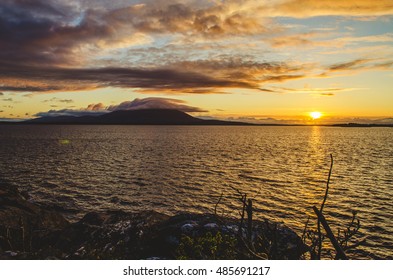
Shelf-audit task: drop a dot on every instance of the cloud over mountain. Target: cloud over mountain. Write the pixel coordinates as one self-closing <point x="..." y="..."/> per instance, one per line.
<point x="155" y="103"/>
<point x="136" y="104"/>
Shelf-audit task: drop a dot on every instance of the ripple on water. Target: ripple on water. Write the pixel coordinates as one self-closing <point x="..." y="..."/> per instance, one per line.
<point x="175" y="169"/>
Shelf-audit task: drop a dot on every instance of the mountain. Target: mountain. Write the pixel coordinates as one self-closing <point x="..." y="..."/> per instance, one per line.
<point x="135" y="117"/>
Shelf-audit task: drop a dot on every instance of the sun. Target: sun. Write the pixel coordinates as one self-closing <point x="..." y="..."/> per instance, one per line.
<point x="315" y="115"/>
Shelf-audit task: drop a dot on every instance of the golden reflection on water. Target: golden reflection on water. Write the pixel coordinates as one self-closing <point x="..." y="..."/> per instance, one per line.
<point x="314" y="140"/>
<point x="316" y="156"/>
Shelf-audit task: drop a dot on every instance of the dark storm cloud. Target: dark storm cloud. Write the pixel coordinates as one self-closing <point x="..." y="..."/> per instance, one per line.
<point x="30" y="30"/>
<point x="42" y="79"/>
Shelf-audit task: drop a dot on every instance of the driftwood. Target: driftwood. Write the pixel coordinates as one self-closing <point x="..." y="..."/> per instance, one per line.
<point x="321" y="209"/>
<point x="339" y="242"/>
<point x="330" y="235"/>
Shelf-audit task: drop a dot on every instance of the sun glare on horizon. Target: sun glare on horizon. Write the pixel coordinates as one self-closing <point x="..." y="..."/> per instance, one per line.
<point x="315" y="115"/>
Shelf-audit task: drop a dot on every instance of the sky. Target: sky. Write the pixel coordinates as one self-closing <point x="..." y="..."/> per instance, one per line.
<point x="267" y="61"/>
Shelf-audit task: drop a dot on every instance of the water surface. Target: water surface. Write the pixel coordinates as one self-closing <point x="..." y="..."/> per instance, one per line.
<point x="186" y="168"/>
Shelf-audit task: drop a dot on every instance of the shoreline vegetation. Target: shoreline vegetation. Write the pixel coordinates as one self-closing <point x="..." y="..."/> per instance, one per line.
<point x="34" y="231"/>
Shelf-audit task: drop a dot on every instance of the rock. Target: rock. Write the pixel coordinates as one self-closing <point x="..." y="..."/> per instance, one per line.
<point x="231" y="228"/>
<point x="187" y="228"/>
<point x="211" y="226"/>
<point x="10" y="253"/>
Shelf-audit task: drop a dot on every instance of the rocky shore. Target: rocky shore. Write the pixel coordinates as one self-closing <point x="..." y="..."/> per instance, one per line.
<point x="31" y="231"/>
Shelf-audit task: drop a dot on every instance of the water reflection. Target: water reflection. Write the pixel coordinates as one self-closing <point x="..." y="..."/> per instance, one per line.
<point x="171" y="169"/>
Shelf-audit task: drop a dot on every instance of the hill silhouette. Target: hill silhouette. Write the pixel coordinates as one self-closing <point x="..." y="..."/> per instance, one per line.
<point x="135" y="117"/>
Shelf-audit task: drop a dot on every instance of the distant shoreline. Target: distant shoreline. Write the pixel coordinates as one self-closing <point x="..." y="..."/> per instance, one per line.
<point x="203" y="124"/>
<point x="162" y="117"/>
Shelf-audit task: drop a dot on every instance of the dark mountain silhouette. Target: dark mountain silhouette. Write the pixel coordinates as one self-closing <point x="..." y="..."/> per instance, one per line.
<point x="135" y="117"/>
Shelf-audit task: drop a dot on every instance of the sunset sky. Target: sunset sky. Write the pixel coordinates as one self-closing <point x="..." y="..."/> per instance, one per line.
<point x="263" y="61"/>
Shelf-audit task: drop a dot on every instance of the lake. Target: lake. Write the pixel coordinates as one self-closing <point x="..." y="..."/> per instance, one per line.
<point x="174" y="169"/>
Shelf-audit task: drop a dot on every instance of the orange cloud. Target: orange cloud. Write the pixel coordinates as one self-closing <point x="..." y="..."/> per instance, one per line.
<point x="311" y="8"/>
<point x="362" y="64"/>
<point x="208" y="19"/>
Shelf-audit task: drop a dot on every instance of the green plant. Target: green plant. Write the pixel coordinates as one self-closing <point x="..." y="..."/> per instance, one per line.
<point x="209" y="246"/>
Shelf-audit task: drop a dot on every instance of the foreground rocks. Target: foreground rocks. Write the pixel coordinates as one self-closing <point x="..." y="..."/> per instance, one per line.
<point x="28" y="231"/>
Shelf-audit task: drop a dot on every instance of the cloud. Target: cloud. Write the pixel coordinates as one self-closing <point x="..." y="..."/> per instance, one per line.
<point x="155" y="103"/>
<point x="291" y="41"/>
<point x="360" y="65"/>
<point x="311" y="8"/>
<point x="41" y="79"/>
<point x="28" y="30"/>
<point x="55" y="99"/>
<point x="381" y="38"/>
<point x="245" y="71"/>
<point x="51" y="46"/>
<point x="354" y="64"/>
<point x="136" y="104"/>
<point x="58" y="33"/>
<point x="66" y="100"/>
<point x="301" y="40"/>
<point x="327" y="92"/>
<point x="97" y="107"/>
<point x="68" y="113"/>
<point x="36" y="32"/>
<point x="198" y="77"/>
<point x="315" y="39"/>
<point x="69" y="33"/>
<point x="207" y="18"/>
